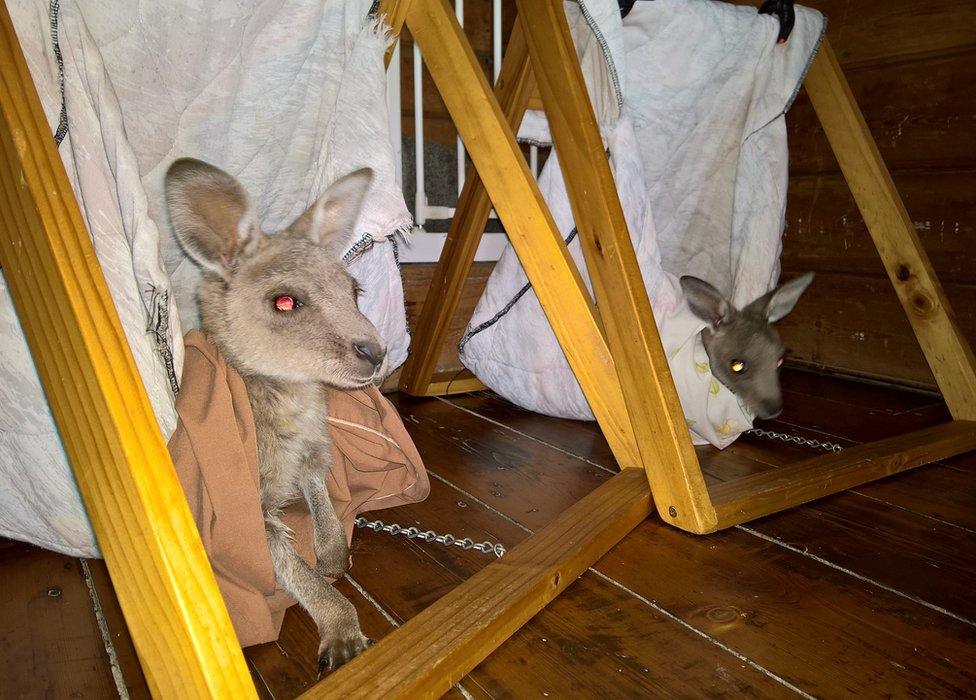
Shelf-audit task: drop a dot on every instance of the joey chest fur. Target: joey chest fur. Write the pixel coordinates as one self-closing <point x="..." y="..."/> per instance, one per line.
<point x="292" y="436"/>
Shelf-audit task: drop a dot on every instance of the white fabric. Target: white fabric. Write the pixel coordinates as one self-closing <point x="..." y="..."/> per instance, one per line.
<point x="286" y="96"/>
<point x="700" y="160"/>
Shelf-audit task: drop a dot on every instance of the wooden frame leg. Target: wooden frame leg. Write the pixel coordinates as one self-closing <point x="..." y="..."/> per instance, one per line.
<point x="663" y="439"/>
<point x="915" y="282"/>
<point x="172" y="605"/>
<point x="471" y="215"/>
<point x="518" y="201"/>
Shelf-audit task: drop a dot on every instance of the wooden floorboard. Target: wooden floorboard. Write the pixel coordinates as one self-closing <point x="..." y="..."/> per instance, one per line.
<point x="50" y="642"/>
<point x="836" y="586"/>
<point x="917" y="556"/>
<point x="593" y="634"/>
<point x="864" y="593"/>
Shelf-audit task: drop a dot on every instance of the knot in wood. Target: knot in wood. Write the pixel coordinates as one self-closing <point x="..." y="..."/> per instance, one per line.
<point x="723" y="614"/>
<point x="922" y="304"/>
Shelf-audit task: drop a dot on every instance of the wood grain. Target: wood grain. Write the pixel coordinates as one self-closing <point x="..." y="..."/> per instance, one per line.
<point x="125" y="651"/>
<point x="828" y="633"/>
<point x="923" y="558"/>
<point x="824" y="631"/>
<point x="826" y="232"/>
<point x="448" y="282"/>
<point x="288" y="666"/>
<point x="768" y="492"/>
<point x="417" y="279"/>
<point x="150" y="542"/>
<point x="921" y="112"/>
<point x="50" y="644"/>
<point x="870" y="32"/>
<point x="946" y="350"/>
<point x="593" y="640"/>
<point x="642" y="368"/>
<point x="856" y="325"/>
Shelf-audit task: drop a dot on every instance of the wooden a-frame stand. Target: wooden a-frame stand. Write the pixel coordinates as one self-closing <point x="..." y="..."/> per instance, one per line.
<point x="159" y="569"/>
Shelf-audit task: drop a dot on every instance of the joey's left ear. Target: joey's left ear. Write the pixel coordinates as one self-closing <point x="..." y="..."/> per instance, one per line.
<point x="332" y="216"/>
<point x="779" y="302"/>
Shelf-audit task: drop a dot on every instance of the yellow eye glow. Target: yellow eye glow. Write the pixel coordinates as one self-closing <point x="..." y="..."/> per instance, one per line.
<point x="737" y="366"/>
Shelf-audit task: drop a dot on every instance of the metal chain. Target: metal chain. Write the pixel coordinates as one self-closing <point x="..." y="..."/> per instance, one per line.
<point x="498" y="549"/>
<point x="795" y="439"/>
<point x="448" y="540"/>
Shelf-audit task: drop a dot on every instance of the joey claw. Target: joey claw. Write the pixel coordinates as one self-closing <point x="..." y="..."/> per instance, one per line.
<point x="334" y="652"/>
<point x="325" y="663"/>
<point x="783" y="9"/>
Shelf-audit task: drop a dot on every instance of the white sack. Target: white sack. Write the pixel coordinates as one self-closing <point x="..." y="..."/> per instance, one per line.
<point x="286" y="96"/>
<point x="699" y="156"/>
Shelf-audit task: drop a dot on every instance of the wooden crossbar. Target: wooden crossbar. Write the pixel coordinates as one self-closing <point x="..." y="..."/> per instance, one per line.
<point x="771" y="491"/>
<point x="435" y="649"/>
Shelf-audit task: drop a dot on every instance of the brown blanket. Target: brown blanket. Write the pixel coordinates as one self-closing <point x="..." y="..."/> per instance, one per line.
<point x="215" y="452"/>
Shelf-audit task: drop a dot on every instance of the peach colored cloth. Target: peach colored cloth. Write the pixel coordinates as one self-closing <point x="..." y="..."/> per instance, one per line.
<point x="214" y="449"/>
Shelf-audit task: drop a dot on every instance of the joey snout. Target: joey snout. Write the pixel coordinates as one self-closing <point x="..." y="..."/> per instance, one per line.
<point x="769" y="408"/>
<point x="370" y="353"/>
<point x="368" y="358"/>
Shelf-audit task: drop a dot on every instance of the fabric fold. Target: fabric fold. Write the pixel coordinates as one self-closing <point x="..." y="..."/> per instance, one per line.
<point x="214" y="449"/>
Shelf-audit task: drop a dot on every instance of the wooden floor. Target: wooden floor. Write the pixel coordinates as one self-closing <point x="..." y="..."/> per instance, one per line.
<point x="871" y="592"/>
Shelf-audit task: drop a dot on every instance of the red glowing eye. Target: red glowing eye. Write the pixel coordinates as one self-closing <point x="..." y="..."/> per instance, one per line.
<point x="284" y="303"/>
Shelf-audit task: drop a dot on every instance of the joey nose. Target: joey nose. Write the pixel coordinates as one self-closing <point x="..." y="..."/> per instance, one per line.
<point x="370" y="351"/>
<point x="770" y="409"/>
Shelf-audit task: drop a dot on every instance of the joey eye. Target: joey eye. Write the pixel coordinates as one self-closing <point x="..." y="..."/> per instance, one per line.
<point x="286" y="302"/>
<point x="357" y="291"/>
<point x="737" y="366"/>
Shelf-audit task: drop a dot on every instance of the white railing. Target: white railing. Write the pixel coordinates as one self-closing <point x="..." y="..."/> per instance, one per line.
<point x="426" y="245"/>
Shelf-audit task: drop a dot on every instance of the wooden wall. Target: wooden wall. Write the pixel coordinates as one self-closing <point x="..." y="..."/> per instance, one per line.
<point x="912" y="67"/>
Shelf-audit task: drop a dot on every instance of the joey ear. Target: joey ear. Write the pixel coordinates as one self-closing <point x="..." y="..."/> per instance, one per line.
<point x="779" y="302"/>
<point x="333" y="215"/>
<point x="210" y="213"/>
<point x="705" y="301"/>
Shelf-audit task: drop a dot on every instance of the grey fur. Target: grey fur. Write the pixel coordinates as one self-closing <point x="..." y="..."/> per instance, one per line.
<point x="746" y="336"/>
<point x="286" y="357"/>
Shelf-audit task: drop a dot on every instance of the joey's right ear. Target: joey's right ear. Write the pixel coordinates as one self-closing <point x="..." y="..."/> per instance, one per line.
<point x="705" y="301"/>
<point x="211" y="215"/>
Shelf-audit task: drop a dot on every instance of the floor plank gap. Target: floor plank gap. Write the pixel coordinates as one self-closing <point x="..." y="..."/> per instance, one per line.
<point x="527" y="436"/>
<point x="934" y="519"/>
<point x="113" y="658"/>
<point x="691" y="628"/>
<point x="468" y="494"/>
<point x="826" y="562"/>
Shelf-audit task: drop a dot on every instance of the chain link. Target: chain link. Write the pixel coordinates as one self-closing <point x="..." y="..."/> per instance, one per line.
<point x="448" y="540"/>
<point x="498" y="549"/>
<point x="795" y="439"/>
